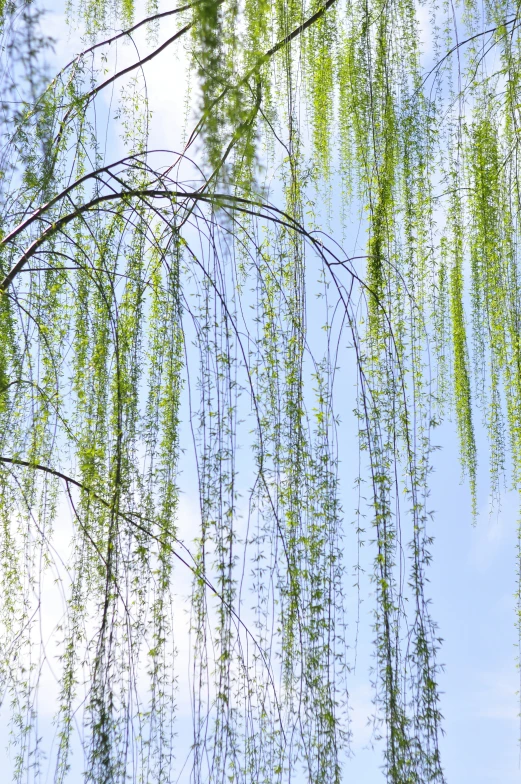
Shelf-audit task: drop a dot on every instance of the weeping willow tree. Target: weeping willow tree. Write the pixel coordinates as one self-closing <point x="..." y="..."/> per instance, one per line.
<point x="278" y="309"/>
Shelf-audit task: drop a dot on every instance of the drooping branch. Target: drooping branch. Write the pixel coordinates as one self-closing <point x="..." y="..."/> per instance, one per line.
<point x="262" y="60"/>
<point x="85" y="99"/>
<point x="243" y="204"/>
<point x="137" y="521"/>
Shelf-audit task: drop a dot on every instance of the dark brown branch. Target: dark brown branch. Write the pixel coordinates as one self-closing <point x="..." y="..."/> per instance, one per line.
<point x="91" y="175"/>
<point x="139" y="63"/>
<point x="260" y="62"/>
<point x="294" y="33"/>
<point x="129" y="31"/>
<point x="129" y="518"/>
<point x="458" y="45"/>
<point x="244" y="205"/>
<point x="95" y="90"/>
<point x="139" y="193"/>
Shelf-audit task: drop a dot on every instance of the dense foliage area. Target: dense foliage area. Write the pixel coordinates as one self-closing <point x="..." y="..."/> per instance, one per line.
<point x="196" y="309"/>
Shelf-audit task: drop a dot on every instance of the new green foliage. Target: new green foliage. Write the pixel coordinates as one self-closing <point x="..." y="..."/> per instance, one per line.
<point x="185" y="309"/>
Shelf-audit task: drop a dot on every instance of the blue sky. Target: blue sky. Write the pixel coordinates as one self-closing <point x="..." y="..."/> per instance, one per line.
<point x="473" y="579"/>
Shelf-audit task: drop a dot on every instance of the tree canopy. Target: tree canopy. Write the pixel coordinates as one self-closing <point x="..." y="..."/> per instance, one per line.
<point x="290" y="303"/>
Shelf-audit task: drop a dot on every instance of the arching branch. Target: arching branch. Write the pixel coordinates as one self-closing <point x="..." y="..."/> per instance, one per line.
<point x="137" y="521"/>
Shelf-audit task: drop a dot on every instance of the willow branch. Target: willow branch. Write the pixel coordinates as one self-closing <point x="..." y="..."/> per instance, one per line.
<point x="129" y="31"/>
<point x="457" y="46"/>
<point x="260" y="62"/>
<point x="246" y="206"/>
<point x="93" y="175"/>
<point x="130" y="519"/>
<point x="138" y="64"/>
<point x="153" y="193"/>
